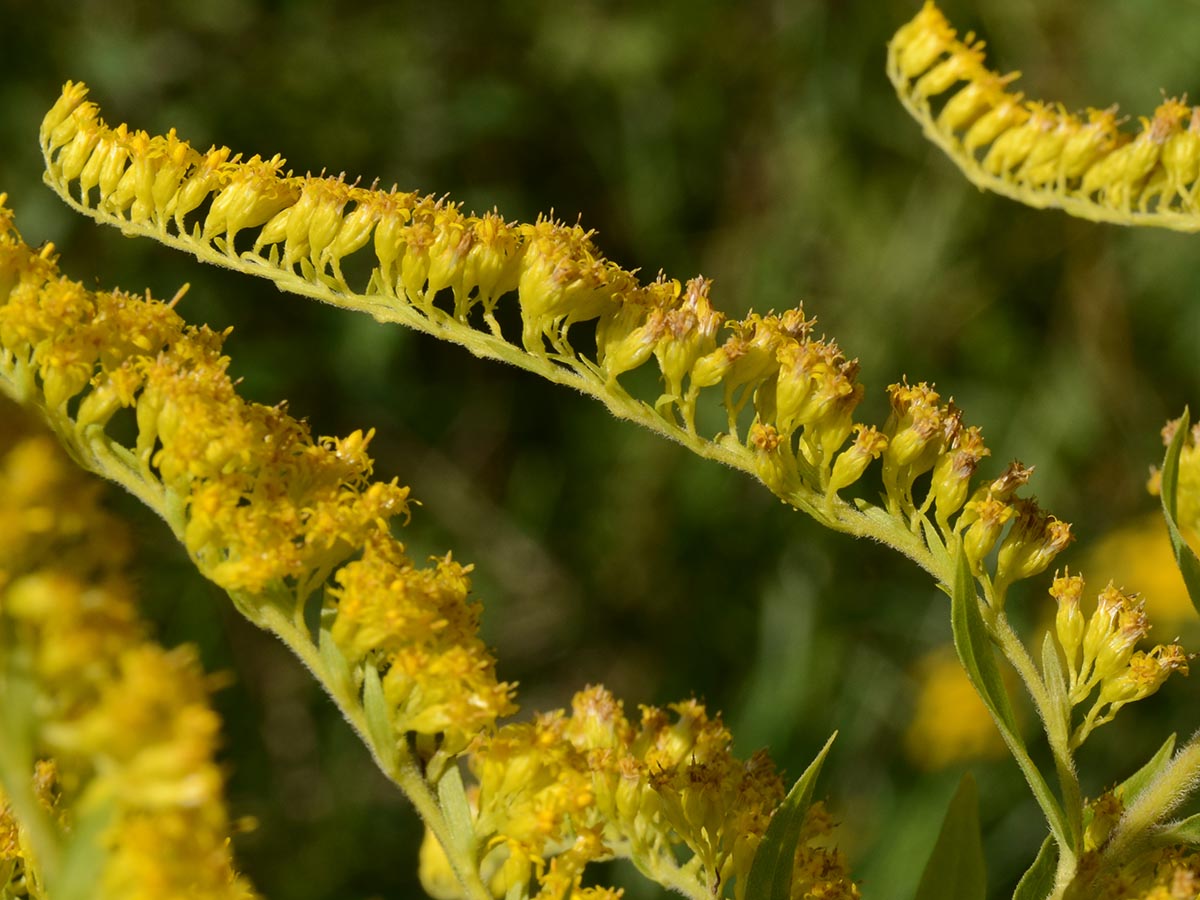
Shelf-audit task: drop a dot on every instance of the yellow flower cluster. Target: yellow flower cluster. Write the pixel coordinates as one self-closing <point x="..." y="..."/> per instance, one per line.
<point x="260" y="505"/>
<point x="128" y="723"/>
<point x="1038" y="153"/>
<point x="418" y="626"/>
<point x="565" y="789"/>
<point x="1100" y="652"/>
<point x="789" y="396"/>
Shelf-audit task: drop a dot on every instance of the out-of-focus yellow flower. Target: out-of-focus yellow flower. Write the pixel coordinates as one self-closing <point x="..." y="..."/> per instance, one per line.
<point x="128" y="723"/>
<point x="1139" y="553"/>
<point x="950" y="723"/>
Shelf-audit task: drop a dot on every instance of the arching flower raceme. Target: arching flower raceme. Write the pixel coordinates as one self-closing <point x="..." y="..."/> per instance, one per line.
<point x="1038" y="153"/>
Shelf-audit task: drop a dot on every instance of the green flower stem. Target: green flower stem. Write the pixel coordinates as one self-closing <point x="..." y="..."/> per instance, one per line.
<point x="1057" y="734"/>
<point x="405" y="774"/>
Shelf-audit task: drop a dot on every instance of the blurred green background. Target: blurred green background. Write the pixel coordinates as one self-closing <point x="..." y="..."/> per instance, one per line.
<point x="757" y="142"/>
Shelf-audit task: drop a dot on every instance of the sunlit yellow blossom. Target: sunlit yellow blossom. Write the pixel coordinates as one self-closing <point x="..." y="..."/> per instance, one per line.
<point x="600" y="785"/>
<point x="790" y="398"/>
<point x="1100" y="652"/>
<point x="260" y="505"/>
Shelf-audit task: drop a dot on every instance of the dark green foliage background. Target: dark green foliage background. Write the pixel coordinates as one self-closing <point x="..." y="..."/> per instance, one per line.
<point x="757" y="142"/>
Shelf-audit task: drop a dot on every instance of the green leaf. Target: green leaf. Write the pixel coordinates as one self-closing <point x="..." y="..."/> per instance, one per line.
<point x="1038" y="880"/>
<point x="936" y="546"/>
<point x="979" y="660"/>
<point x="84" y="855"/>
<point x="453" y="800"/>
<point x="1185" y="831"/>
<point x="337" y="667"/>
<point x="379" y="724"/>
<point x="770" y="876"/>
<point x="1189" y="565"/>
<point x="955" y="868"/>
<point x="1056" y="682"/>
<point x="1136" y="783"/>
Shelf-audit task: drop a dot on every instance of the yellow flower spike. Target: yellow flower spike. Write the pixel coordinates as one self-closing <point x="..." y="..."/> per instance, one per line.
<point x="919" y="43"/>
<point x="1037" y="153"/>
<point x="303" y="229"/>
<point x="57" y="126"/>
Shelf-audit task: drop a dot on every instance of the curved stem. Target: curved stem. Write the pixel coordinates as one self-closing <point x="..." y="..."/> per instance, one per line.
<point x="1057" y="735"/>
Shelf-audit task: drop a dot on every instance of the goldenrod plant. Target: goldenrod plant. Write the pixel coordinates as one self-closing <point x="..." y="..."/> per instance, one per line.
<point x="303" y="538"/>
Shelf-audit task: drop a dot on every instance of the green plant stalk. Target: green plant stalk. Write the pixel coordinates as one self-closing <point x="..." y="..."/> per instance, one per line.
<point x="1058" y="738"/>
<point x="16" y="770"/>
<point x="405" y="774"/>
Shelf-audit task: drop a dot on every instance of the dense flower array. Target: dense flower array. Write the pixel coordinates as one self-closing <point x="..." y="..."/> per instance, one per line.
<point x="271" y="515"/>
<point x="1038" y="152"/>
<point x="263" y="509"/>
<point x="601" y="786"/>
<point x="789" y="396"/>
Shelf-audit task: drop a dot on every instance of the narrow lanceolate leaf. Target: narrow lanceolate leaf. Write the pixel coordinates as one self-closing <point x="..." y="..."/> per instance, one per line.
<point x="955" y="868"/>
<point x="1136" y="783"/>
<point x="85" y="856"/>
<point x="770" y="875"/>
<point x="337" y="668"/>
<point x="1056" y="682"/>
<point x="1186" y="831"/>
<point x="1038" y="880"/>
<point x="379" y="726"/>
<point x="452" y="798"/>
<point x="975" y="651"/>
<point x="1189" y="566"/>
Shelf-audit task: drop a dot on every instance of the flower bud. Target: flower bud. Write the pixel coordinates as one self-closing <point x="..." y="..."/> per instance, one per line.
<point x="850" y="464"/>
